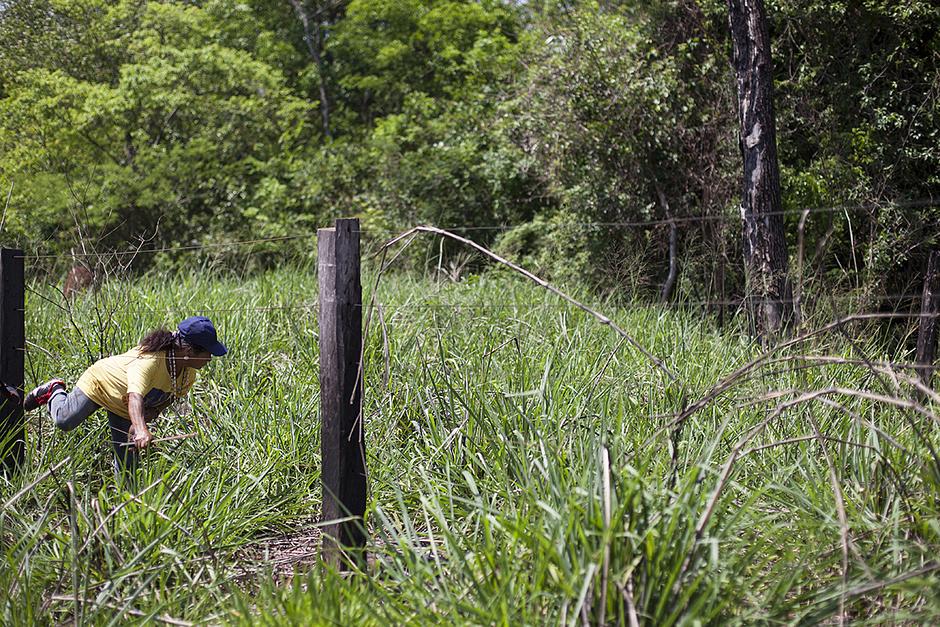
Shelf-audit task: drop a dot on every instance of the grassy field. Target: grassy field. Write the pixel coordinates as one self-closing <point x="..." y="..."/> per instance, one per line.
<point x="519" y="472"/>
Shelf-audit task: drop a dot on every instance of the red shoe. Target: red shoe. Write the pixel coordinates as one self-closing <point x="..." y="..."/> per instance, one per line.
<point x="41" y="395"/>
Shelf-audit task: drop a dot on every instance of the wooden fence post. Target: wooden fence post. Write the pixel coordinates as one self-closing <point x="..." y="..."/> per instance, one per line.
<point x="12" y="353"/>
<point x="342" y="431"/>
<point x="929" y="308"/>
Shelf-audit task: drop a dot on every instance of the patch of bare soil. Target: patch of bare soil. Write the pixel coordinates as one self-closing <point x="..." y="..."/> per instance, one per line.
<point x="279" y="556"/>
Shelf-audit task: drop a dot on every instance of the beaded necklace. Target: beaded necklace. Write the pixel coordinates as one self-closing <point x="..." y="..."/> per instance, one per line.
<point x="171" y="362"/>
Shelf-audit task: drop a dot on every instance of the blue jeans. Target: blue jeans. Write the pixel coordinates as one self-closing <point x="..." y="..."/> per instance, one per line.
<point x="68" y="410"/>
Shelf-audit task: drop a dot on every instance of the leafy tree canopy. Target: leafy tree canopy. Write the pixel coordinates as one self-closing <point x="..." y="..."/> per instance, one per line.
<point x="191" y="121"/>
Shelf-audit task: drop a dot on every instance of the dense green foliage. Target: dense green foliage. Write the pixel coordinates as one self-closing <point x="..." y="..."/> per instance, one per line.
<point x="514" y="473"/>
<point x="513" y="479"/>
<point x="211" y="121"/>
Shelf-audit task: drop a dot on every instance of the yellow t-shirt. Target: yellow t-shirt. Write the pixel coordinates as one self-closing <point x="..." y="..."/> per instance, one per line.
<point x="110" y="380"/>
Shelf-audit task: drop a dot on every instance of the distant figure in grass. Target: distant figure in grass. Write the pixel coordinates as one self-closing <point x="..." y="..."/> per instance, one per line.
<point x="134" y="387"/>
<point x="77" y="281"/>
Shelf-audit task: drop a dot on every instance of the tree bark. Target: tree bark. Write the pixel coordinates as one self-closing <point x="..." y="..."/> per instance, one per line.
<point x="765" y="251"/>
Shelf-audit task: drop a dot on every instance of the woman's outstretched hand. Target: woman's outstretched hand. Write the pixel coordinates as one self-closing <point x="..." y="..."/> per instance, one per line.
<point x="141" y="438"/>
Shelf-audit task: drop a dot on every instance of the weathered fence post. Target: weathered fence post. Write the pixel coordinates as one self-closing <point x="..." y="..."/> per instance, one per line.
<point x="341" y="430"/>
<point x="929" y="309"/>
<point x="12" y="352"/>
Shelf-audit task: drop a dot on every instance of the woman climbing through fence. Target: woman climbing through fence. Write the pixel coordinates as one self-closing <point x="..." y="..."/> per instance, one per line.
<point x="133" y="387"/>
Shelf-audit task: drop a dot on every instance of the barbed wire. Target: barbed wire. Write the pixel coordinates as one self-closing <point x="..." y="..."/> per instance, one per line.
<point x="854" y="317"/>
<point x="844" y="298"/>
<point x="510" y="304"/>
<point x="912" y="204"/>
<point x="456" y="307"/>
<point x="121" y="253"/>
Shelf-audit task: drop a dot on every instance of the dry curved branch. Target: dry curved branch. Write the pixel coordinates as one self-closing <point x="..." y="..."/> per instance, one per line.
<point x="542" y="283"/>
<point x="738" y="450"/>
<point x="729" y="381"/>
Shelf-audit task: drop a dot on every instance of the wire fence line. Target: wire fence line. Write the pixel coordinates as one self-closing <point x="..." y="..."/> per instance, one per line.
<point x="457" y="307"/>
<point x="845" y="298"/>
<point x="144" y="251"/>
<point x="809" y="360"/>
<point x="739" y="302"/>
<point x="912" y="204"/>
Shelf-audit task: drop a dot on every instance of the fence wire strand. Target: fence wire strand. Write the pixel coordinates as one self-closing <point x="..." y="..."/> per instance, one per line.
<point x="726" y="217"/>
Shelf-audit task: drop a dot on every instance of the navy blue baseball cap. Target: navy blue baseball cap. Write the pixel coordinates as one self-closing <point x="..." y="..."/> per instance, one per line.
<point x="199" y="331"/>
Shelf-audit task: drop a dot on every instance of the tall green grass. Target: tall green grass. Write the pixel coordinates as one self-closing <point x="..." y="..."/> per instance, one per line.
<point x="516" y="471"/>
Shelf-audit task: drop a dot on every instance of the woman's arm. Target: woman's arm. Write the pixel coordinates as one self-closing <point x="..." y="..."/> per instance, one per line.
<point x="139" y="434"/>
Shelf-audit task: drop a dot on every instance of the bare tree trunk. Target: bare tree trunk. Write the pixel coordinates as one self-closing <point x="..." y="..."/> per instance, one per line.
<point x="765" y="251"/>
<point x="313" y="37"/>
<point x="929" y="309"/>
<point x="673" y="247"/>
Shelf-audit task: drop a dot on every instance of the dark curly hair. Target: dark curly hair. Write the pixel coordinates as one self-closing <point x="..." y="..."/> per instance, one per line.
<point x="161" y="340"/>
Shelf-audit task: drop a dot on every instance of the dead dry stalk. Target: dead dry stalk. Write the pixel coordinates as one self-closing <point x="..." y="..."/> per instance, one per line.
<point x="538" y="281"/>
